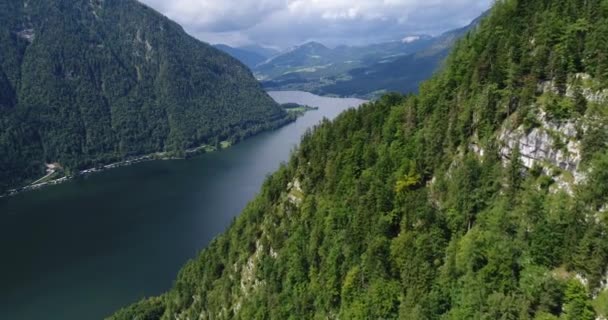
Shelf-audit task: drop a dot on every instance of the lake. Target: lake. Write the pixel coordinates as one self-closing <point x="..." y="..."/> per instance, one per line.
<point x="85" y="248"/>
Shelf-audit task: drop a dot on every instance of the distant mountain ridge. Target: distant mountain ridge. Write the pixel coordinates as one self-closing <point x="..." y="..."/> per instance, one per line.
<point x="362" y="71"/>
<point x="249" y="58"/>
<point x="298" y="59"/>
<point x="266" y="52"/>
<point x="86" y="82"/>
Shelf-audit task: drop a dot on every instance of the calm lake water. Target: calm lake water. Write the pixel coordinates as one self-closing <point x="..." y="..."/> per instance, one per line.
<point x="85" y="248"/>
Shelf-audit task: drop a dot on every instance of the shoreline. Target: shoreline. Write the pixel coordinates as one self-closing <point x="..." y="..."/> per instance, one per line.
<point x="89" y="171"/>
<point x="163" y="156"/>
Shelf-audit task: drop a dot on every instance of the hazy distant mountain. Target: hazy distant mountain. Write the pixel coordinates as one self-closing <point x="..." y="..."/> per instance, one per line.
<point x="306" y="58"/>
<point x="314" y="60"/>
<point x="447" y="39"/>
<point x="403" y="74"/>
<point x="364" y="71"/>
<point x="249" y="58"/>
<point x="263" y="51"/>
<point x="400" y="74"/>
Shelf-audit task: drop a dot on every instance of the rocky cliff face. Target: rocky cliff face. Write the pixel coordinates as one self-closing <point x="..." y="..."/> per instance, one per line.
<point x="592" y="95"/>
<point x="553" y="145"/>
<point x="544" y="145"/>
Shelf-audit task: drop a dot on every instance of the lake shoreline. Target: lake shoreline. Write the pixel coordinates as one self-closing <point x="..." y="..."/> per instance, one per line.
<point x="297" y="112"/>
<point x="116" y="223"/>
<point x="162" y="156"/>
<point x="89" y="171"/>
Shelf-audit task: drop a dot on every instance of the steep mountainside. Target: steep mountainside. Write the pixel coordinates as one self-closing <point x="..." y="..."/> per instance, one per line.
<point x="90" y="81"/>
<point x="482" y="197"/>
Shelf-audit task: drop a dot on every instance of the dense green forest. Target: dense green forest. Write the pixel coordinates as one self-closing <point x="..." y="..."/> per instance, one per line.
<point x="427" y="206"/>
<point x="84" y="82"/>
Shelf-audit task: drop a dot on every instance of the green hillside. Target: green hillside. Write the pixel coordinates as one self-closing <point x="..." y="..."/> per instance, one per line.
<point x="87" y="82"/>
<point x="482" y="197"/>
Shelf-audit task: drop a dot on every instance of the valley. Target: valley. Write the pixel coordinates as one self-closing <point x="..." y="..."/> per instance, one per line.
<point x="483" y="196"/>
<point x="227" y="160"/>
<point x="353" y="71"/>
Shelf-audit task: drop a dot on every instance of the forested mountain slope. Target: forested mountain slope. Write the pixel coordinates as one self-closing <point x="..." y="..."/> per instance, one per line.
<point x="90" y="81"/>
<point x="482" y="197"/>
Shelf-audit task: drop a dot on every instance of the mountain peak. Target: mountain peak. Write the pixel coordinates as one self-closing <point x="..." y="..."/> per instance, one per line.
<point x="313" y="45"/>
<point x="266" y="51"/>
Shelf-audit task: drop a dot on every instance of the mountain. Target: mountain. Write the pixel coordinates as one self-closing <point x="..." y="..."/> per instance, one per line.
<point x="313" y="61"/>
<point x="249" y="58"/>
<point x="399" y="73"/>
<point x="266" y="52"/>
<point x="304" y="58"/>
<point x="86" y="82"/>
<point x="366" y="71"/>
<point x="402" y="74"/>
<point x="483" y="196"/>
<point x="446" y="40"/>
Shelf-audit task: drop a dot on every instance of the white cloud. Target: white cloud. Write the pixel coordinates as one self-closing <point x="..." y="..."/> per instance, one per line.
<point x="217" y="16"/>
<point x="410" y="39"/>
<point x="288" y="22"/>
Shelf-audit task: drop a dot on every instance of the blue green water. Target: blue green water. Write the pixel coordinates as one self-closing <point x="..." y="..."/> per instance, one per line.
<point x="82" y="249"/>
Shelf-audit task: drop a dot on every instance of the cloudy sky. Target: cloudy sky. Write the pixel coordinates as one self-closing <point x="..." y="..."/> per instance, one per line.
<point x="284" y="23"/>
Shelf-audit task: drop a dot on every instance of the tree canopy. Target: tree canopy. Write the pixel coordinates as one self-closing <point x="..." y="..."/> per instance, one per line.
<point x="389" y="212"/>
<point x="88" y="82"/>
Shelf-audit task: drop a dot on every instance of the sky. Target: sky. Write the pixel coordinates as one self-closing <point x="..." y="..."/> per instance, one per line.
<point x="285" y="23"/>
